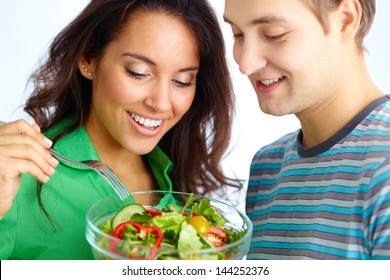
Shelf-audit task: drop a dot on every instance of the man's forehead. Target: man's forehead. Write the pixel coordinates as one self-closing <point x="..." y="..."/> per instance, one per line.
<point x="255" y="12"/>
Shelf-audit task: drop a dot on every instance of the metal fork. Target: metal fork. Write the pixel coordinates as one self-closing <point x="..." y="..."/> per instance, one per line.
<point x="102" y="169"/>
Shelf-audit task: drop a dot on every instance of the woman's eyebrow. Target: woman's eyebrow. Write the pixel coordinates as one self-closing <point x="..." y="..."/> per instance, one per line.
<point x="140" y="57"/>
<point x="151" y="62"/>
<point x="189" y="69"/>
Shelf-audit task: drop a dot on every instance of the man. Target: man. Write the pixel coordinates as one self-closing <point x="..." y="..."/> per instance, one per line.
<point x="322" y="192"/>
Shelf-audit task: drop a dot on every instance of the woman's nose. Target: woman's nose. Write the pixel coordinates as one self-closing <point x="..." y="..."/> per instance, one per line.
<point x="158" y="99"/>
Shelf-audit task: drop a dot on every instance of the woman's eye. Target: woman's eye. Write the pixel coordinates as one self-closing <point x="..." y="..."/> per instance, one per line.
<point x="136" y="75"/>
<point x="183" y="84"/>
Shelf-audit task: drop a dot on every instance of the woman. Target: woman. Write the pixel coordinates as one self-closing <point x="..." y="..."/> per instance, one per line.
<point x="122" y="78"/>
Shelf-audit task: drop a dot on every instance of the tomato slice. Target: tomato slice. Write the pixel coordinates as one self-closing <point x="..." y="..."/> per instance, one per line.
<point x="216" y="236"/>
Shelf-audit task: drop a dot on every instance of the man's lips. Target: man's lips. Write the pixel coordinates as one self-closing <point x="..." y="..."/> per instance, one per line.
<point x="269" y="82"/>
<point x="267" y="86"/>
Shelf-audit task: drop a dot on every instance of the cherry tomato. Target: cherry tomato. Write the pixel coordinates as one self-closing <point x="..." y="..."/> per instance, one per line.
<point x="216" y="236"/>
<point x="200" y="224"/>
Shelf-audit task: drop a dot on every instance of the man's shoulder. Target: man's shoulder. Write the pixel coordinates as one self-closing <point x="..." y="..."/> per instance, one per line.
<point x="280" y="145"/>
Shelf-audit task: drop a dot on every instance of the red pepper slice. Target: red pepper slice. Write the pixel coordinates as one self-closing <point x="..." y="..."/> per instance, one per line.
<point x="142" y="232"/>
<point x="120" y="229"/>
<point x="185" y="214"/>
<point x="157" y="232"/>
<point x="153" y="212"/>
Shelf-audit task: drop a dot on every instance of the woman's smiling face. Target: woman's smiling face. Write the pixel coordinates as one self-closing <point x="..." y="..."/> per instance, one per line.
<point x="144" y="82"/>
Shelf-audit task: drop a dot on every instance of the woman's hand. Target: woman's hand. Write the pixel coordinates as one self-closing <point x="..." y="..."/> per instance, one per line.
<point x="23" y="149"/>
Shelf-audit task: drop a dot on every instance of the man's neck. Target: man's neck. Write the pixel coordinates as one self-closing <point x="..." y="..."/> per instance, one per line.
<point x="340" y="107"/>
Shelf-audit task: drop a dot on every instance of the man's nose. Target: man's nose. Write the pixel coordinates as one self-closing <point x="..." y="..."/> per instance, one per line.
<point x="250" y="57"/>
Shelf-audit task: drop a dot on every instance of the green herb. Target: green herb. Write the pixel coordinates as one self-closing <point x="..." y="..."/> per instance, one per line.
<point x="235" y="235"/>
<point x="191" y="198"/>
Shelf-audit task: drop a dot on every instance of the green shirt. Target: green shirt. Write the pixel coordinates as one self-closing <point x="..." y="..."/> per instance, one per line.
<point x="26" y="233"/>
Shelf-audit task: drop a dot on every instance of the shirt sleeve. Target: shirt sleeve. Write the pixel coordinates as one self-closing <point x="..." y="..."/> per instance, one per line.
<point x="378" y="213"/>
<point x="8" y="232"/>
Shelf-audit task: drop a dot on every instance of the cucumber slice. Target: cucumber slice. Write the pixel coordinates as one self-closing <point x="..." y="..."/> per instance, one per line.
<point x="126" y="212"/>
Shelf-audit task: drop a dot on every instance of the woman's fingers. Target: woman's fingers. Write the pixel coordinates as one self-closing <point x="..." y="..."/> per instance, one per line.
<point x="29" y="139"/>
<point x="26" y="158"/>
<point x="23" y="149"/>
<point x="22" y="127"/>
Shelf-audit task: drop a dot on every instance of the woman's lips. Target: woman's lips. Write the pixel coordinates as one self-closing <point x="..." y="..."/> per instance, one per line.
<point x="146" y="126"/>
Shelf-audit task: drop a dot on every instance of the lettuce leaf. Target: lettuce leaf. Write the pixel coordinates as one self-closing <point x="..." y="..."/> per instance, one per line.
<point x="188" y="240"/>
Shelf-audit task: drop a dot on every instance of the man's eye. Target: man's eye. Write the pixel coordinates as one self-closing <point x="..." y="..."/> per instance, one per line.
<point x="237" y="35"/>
<point x="276" y="37"/>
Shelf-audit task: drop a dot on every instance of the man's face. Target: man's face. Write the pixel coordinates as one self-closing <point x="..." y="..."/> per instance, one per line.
<point x="281" y="46"/>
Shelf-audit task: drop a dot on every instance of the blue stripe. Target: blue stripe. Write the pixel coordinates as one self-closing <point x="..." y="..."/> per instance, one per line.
<point x="321" y="170"/>
<point x="381" y="240"/>
<point x="262" y="182"/>
<point x="358" y="150"/>
<point x="311" y="247"/>
<point x="311" y="227"/>
<point x="378" y="117"/>
<point x="261" y="166"/>
<point x="311" y="209"/>
<point x="370" y="132"/>
<point x="308" y="190"/>
<point x="330" y="170"/>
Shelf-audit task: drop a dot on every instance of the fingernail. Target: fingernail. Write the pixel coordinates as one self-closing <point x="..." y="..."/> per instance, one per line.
<point x="48" y="141"/>
<point x="46" y="179"/>
<point x="51" y="170"/>
<point x="55" y="161"/>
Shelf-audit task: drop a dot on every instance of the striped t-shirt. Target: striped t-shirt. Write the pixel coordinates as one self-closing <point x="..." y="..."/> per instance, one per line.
<point x="331" y="201"/>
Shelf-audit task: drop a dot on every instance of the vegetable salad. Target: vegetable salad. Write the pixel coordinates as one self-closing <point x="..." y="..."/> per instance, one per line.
<point x="171" y="233"/>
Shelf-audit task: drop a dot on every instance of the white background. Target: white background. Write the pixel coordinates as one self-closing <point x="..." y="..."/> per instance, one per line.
<point x="27" y="27"/>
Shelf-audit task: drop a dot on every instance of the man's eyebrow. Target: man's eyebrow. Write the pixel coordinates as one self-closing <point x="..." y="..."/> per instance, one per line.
<point x="268" y="19"/>
<point x="149" y="61"/>
<point x="227" y="20"/>
<point x="261" y="20"/>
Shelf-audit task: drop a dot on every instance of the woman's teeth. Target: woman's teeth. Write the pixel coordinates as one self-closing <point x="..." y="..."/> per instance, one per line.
<point x="270" y="82"/>
<point x="146" y="122"/>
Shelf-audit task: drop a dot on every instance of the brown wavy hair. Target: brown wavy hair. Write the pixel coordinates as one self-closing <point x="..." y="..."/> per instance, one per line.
<point x="323" y="7"/>
<point x="197" y="144"/>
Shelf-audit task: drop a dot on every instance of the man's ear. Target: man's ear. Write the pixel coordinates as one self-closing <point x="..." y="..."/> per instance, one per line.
<point x="350" y="14"/>
<point x="87" y="67"/>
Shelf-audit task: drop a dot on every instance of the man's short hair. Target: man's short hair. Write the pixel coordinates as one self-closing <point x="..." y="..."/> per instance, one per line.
<point x="322" y="8"/>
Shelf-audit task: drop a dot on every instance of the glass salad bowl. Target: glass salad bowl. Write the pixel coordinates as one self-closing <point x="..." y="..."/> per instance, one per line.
<point x="160" y="225"/>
